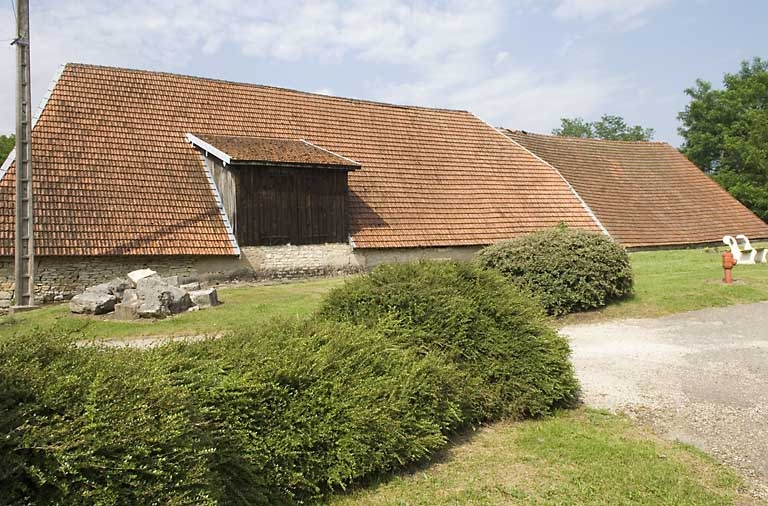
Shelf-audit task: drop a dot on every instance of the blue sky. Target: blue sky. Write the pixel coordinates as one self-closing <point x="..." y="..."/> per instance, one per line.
<point x="522" y="64"/>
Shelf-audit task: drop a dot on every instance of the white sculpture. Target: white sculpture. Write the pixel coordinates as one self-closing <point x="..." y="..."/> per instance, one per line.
<point x="746" y="255"/>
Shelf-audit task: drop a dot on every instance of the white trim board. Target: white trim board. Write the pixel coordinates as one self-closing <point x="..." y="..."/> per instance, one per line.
<point x="220" y="204"/>
<point x="209" y="148"/>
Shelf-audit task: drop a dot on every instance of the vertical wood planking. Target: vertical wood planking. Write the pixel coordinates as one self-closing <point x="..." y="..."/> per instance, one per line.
<point x="279" y="205"/>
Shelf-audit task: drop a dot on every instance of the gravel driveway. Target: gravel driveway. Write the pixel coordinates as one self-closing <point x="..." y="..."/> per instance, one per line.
<point x="699" y="377"/>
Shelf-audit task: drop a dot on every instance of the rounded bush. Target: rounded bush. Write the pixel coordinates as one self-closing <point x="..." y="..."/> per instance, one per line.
<point x="568" y="270"/>
<point x="301" y="408"/>
<point x="513" y="363"/>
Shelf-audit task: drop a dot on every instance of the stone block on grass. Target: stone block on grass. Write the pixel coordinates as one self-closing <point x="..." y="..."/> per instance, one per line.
<point x="204" y="298"/>
<point x="190" y="287"/>
<point x="153" y="307"/>
<point x="172" y="280"/>
<point x="130" y="295"/>
<point x="100" y="288"/>
<point x="155" y="292"/>
<point x="127" y="310"/>
<point x="114" y="287"/>
<point x="137" y="275"/>
<point x="92" y="303"/>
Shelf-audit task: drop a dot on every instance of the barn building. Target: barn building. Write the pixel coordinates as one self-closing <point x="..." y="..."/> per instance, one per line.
<point x="195" y="176"/>
<point x="645" y="194"/>
<point x="198" y="176"/>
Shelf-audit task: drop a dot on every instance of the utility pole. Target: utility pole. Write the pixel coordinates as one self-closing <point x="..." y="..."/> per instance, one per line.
<point x="25" y="223"/>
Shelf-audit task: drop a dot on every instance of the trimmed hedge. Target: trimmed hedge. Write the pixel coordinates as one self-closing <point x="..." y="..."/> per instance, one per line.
<point x="279" y="417"/>
<point x="283" y="414"/>
<point x="568" y="270"/>
<point x="513" y="363"/>
<point x="82" y="426"/>
<point x="301" y="409"/>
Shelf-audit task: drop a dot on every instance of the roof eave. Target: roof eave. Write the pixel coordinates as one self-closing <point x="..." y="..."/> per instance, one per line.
<point x="209" y="149"/>
<point x="295" y="165"/>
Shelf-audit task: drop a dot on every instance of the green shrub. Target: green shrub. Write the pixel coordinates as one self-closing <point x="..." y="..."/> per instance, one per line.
<point x="305" y="408"/>
<point x="83" y="426"/>
<point x="568" y="270"/>
<point x="513" y="363"/>
<point x="275" y="417"/>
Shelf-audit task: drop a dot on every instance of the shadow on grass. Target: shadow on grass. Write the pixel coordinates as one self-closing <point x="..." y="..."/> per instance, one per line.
<point x="441" y="456"/>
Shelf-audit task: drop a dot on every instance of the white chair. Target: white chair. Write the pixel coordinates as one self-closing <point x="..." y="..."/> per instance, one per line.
<point x="760" y="255"/>
<point x="747" y="256"/>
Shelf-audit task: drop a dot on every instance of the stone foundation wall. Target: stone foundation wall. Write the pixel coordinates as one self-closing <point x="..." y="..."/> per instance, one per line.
<point x="301" y="261"/>
<point x="370" y="258"/>
<point x="59" y="278"/>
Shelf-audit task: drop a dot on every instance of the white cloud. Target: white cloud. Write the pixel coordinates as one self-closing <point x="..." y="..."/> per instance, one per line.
<point x="626" y="13"/>
<point x="515" y="97"/>
<point x="444" y="51"/>
<point x="569" y="44"/>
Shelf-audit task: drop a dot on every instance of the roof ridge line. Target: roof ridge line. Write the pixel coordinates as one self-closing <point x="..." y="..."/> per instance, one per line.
<point x="588" y="139"/>
<point x="268" y="87"/>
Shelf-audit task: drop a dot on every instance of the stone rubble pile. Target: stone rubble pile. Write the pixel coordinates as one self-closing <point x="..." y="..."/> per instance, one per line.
<point x="143" y="294"/>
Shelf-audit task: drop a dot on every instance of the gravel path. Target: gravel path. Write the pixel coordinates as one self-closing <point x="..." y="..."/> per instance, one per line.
<point x="699" y="377"/>
<point x="149" y="342"/>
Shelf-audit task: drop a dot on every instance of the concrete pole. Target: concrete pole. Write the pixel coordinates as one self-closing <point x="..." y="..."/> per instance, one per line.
<point x="25" y="247"/>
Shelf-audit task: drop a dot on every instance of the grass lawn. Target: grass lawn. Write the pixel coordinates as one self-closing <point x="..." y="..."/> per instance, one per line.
<point x="674" y="281"/>
<point x="242" y="307"/>
<point x="665" y="282"/>
<point x="583" y="457"/>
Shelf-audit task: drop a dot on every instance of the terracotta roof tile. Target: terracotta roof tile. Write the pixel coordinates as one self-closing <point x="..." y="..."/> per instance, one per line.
<point x="114" y="173"/>
<point x="645" y="193"/>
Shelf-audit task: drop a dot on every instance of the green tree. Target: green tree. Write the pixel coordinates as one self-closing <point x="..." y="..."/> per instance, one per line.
<point x="725" y="133"/>
<point x="575" y="127"/>
<point x="7" y="143"/>
<point x="608" y="127"/>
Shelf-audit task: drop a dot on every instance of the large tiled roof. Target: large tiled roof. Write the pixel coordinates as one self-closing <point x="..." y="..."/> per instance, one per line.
<point x="264" y="150"/>
<point x="115" y="174"/>
<point x="645" y="193"/>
